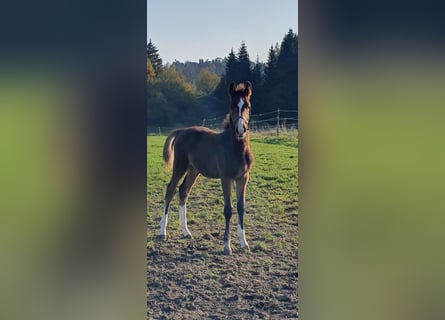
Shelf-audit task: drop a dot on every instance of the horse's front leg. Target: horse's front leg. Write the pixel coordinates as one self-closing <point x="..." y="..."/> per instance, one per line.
<point x="241" y="185"/>
<point x="226" y="186"/>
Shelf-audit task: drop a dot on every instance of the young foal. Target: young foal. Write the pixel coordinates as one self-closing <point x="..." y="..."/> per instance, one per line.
<point x="225" y="155"/>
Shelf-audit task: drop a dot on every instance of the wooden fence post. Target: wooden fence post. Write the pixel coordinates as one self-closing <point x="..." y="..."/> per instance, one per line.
<point x="278" y="122"/>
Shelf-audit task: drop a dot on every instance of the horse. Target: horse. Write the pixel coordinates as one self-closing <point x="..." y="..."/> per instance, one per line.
<point x="222" y="155"/>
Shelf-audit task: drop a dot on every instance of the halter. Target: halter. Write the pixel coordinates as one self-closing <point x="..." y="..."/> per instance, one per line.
<point x="234" y="121"/>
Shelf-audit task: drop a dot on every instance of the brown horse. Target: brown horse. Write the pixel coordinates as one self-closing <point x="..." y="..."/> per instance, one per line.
<point x="225" y="155"/>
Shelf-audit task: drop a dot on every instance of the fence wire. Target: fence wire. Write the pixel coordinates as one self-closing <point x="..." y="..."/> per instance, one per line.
<point x="280" y="119"/>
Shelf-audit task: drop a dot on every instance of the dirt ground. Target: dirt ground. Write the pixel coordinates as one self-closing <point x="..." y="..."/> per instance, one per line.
<point x="193" y="279"/>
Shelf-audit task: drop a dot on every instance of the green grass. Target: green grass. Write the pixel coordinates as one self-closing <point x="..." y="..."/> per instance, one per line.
<point x="271" y="200"/>
<point x="285" y="138"/>
<point x="260" y="246"/>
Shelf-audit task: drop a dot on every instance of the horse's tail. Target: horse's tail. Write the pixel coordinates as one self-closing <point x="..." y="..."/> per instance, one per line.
<point x="168" y="154"/>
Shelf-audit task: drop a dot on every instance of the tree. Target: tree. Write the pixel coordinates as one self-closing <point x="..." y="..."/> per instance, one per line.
<point x="259" y="102"/>
<point x="257" y="73"/>
<point x="191" y="69"/>
<point x="153" y="56"/>
<point x="238" y="69"/>
<point x="243" y="66"/>
<point x="288" y="50"/>
<point x="151" y="75"/>
<point x="182" y="106"/>
<point x="206" y="81"/>
<point x="271" y="65"/>
<point x="231" y="66"/>
<point x="286" y="87"/>
<point x="175" y="79"/>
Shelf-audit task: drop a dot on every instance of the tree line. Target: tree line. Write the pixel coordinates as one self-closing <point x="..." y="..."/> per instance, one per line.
<point x="191" y="69"/>
<point x="174" y="99"/>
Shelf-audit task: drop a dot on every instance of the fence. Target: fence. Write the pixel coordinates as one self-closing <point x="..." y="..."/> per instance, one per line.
<point x="280" y="119"/>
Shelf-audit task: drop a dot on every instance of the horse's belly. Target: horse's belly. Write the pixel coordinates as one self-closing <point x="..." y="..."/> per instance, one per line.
<point x="209" y="174"/>
<point x="239" y="172"/>
<point x="206" y="168"/>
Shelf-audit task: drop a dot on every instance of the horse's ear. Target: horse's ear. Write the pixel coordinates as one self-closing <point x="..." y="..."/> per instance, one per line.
<point x="232" y="89"/>
<point x="248" y="90"/>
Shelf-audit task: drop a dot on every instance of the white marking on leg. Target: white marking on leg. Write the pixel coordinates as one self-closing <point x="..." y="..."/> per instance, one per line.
<point x="163" y="223"/>
<point x="242" y="237"/>
<point x="227" y="248"/>
<point x="183" y="220"/>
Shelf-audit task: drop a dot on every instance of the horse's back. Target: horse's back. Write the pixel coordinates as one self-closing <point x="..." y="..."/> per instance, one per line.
<point x="192" y="137"/>
<point x="201" y="130"/>
<point x="199" y="146"/>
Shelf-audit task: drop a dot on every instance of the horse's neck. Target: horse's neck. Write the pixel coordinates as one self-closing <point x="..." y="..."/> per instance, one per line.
<point x="241" y="145"/>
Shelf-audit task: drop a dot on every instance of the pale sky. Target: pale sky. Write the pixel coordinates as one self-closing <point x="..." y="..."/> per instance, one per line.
<point x="189" y="30"/>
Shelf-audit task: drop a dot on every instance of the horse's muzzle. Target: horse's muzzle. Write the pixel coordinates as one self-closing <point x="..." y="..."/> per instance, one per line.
<point x="241" y="128"/>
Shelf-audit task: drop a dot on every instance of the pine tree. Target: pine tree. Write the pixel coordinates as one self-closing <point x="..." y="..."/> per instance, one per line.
<point x="231" y="66"/>
<point x="289" y="49"/>
<point x="271" y="65"/>
<point x="244" y="72"/>
<point x="153" y="56"/>
<point x="257" y="73"/>
<point x="257" y="80"/>
<point x="286" y="91"/>
<point x="243" y="59"/>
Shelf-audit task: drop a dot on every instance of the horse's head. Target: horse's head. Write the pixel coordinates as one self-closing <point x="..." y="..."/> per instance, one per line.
<point x="240" y="108"/>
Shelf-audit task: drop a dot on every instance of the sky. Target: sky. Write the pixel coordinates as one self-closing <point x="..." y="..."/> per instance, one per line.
<point x="189" y="30"/>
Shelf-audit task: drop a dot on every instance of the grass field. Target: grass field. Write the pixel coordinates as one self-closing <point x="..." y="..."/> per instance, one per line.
<point x="263" y="283"/>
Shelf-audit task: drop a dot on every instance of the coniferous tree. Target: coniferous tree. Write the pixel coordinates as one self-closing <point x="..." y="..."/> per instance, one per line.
<point x="276" y="82"/>
<point x="231" y="66"/>
<point x="286" y="88"/>
<point x="271" y="65"/>
<point x="271" y="80"/>
<point x="153" y="56"/>
<point x="220" y="94"/>
<point x="243" y="67"/>
<point x="257" y="80"/>
<point x="238" y="69"/>
<point x="288" y="50"/>
<point x="257" y="73"/>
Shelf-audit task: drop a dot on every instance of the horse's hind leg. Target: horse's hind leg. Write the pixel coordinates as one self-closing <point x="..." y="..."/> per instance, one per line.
<point x="241" y="185"/>
<point x="184" y="191"/>
<point x="179" y="169"/>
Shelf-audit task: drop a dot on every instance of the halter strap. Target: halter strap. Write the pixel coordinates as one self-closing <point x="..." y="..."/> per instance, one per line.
<point x="240" y="117"/>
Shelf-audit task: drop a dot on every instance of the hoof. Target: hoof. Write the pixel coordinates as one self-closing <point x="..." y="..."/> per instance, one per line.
<point x="187" y="236"/>
<point x="227" y="252"/>
<point x="161" y="237"/>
